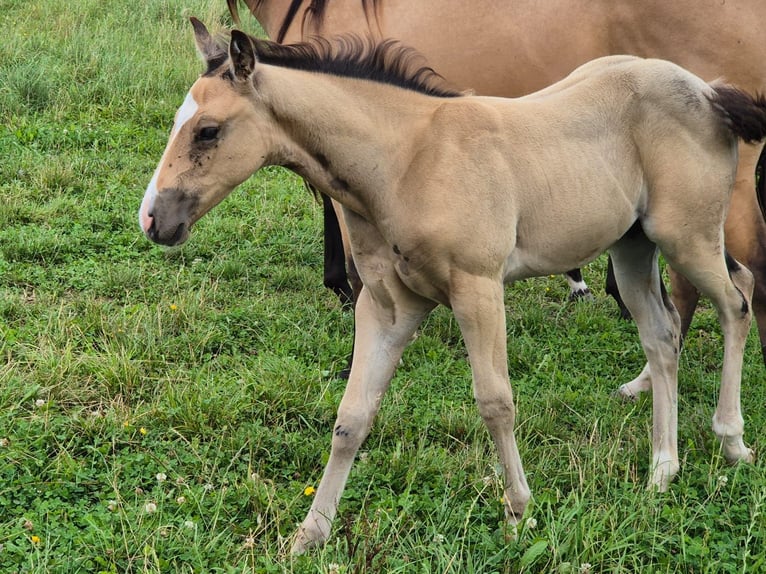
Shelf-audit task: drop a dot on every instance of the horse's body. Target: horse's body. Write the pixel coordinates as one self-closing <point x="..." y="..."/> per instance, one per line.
<point x="447" y="197"/>
<point x="518" y="47"/>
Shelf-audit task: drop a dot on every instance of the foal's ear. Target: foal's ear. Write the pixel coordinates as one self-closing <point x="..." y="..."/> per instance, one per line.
<point x="242" y="55"/>
<point x="206" y="46"/>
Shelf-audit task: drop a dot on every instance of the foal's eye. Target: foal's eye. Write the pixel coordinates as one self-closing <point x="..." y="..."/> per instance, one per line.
<point x="207" y="134"/>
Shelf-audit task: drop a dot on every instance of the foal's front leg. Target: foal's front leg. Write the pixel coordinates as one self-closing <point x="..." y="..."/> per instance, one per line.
<point x="387" y="314"/>
<point x="479" y="308"/>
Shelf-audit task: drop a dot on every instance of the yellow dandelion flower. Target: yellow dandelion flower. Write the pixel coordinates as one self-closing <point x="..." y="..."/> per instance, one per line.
<point x="126" y="424"/>
<point x="173" y="307"/>
<point x="143" y="431"/>
<point x="35" y="539"/>
<point x="309" y="490"/>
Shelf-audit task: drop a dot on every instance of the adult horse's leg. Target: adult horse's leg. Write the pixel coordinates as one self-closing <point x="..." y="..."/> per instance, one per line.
<point x="479" y="309"/>
<point x="578" y="289"/>
<point x="637" y="273"/>
<point x="610" y="287"/>
<point x="746" y="230"/>
<point x="387" y="313"/>
<point x="353" y="275"/>
<point x="335" y="277"/>
<point x="348" y="266"/>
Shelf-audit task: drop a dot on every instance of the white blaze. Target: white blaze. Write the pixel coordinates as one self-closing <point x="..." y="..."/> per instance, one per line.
<point x="183" y="115"/>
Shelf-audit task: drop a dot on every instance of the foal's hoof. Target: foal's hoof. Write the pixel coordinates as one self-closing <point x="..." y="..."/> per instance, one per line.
<point x="625" y="394"/>
<point x="735" y="451"/>
<point x="663" y="475"/>
<point x="301" y="544"/>
<point x="306" y="539"/>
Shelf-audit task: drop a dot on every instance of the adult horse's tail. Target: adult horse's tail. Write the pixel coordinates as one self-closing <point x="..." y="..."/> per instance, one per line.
<point x="744" y="115"/>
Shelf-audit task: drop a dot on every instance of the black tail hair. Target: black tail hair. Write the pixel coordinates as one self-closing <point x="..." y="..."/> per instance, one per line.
<point x="745" y="115"/>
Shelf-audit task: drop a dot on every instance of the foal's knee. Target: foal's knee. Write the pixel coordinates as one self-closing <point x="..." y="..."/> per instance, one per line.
<point x="497" y="408"/>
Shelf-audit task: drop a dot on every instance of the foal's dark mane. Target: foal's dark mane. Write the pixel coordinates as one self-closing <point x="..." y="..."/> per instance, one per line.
<point x="387" y="62"/>
<point x="315" y="12"/>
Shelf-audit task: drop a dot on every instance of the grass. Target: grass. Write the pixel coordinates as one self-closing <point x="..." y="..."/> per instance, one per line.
<point x="165" y="410"/>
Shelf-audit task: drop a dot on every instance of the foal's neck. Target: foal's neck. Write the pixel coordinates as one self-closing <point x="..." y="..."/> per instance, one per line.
<point x="350" y="138"/>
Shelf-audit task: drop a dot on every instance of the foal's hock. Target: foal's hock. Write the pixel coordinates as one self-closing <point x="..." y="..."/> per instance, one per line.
<point x="448" y="198"/>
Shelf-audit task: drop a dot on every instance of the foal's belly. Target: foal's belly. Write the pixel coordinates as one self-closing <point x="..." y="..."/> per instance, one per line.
<point x="559" y="247"/>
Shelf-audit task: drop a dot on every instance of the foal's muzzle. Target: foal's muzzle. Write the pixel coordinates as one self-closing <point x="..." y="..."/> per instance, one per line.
<point x="180" y="235"/>
<point x="167" y="216"/>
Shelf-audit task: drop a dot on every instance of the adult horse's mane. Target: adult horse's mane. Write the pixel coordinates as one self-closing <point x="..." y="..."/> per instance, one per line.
<point x="314" y="12"/>
<point x="387" y="62"/>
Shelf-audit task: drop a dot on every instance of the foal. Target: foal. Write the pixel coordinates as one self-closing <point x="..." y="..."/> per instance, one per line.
<point x="448" y="198"/>
<point x="541" y="43"/>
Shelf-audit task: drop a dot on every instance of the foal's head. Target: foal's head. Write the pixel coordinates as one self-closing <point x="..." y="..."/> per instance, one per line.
<point x="206" y="156"/>
<point x="227" y="128"/>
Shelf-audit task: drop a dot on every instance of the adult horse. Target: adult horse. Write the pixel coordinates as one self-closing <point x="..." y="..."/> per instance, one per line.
<point x="518" y="47"/>
<point x="448" y="197"/>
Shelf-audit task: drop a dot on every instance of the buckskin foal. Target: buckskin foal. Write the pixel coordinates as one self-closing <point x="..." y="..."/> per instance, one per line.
<point x="448" y="197"/>
<point x="522" y="46"/>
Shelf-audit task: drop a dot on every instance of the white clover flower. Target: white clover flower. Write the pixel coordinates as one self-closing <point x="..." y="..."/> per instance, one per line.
<point x="150" y="508"/>
<point x="112" y="505"/>
<point x="531" y="523"/>
<point x="723" y="479"/>
<point x="161" y="477"/>
<point x="181" y="499"/>
<point x="189" y="525"/>
<point x="40" y="403"/>
<point x="585" y="568"/>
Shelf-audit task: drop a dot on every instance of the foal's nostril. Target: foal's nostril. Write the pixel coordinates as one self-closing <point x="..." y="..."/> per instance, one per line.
<point x="151" y="231"/>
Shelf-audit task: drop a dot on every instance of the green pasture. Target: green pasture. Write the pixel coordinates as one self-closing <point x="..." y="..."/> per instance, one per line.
<point x="169" y="410"/>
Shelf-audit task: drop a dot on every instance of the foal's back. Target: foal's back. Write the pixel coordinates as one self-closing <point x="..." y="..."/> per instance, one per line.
<point x="589" y="152"/>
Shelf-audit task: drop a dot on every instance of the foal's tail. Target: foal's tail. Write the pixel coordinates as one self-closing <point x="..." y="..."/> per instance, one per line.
<point x="744" y="115"/>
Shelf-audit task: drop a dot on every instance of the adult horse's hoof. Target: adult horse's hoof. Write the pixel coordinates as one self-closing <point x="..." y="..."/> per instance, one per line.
<point x="580" y="294"/>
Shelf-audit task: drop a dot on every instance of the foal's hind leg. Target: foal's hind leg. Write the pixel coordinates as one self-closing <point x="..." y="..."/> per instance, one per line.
<point x="638" y="278"/>
<point x="685" y="297"/>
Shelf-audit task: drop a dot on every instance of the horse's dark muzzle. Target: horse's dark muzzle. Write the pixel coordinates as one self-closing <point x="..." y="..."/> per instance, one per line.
<point x="178" y="236"/>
